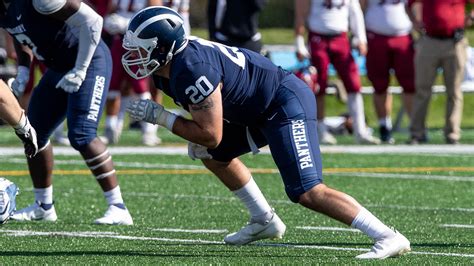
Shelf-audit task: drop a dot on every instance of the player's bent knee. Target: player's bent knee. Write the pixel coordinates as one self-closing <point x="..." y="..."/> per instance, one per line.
<point x="78" y="142"/>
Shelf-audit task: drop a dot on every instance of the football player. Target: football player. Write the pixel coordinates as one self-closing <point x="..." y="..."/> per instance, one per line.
<point x="65" y="36"/>
<point x="328" y="22"/>
<point x="12" y="114"/>
<point x="239" y="101"/>
<point x="390" y="46"/>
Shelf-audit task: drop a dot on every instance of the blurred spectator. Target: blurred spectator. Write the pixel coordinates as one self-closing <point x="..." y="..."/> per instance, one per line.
<point x="235" y="23"/>
<point x="182" y="7"/>
<point x="442" y="44"/>
<point x="115" y="23"/>
<point x="390" y="46"/>
<point x="328" y="22"/>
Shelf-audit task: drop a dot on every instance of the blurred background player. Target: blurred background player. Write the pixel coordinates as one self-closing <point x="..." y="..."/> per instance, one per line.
<point x="442" y="44"/>
<point x="390" y="46"/>
<point x="65" y="36"/>
<point x="328" y="22"/>
<point x="115" y="23"/>
<point x="235" y="23"/>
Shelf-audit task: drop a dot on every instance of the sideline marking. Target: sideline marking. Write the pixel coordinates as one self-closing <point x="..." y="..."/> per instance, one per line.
<point x="25" y="233"/>
<point x="325" y="228"/>
<point x="346" y="171"/>
<point x="197" y="231"/>
<point x="468" y="226"/>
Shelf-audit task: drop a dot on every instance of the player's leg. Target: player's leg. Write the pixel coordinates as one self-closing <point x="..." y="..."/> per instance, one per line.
<point x="263" y="222"/>
<point x="378" y="64"/>
<point x="84" y="111"/>
<point x="346" y="68"/>
<point x="292" y="137"/>
<point x="141" y="88"/>
<point x="113" y="128"/>
<point x="46" y="111"/>
<point x="320" y="60"/>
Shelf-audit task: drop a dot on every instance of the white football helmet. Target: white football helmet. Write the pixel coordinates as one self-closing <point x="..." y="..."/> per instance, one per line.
<point x="154" y="35"/>
<point x="8" y="192"/>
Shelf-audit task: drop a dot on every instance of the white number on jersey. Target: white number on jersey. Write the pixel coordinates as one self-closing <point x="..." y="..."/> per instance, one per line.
<point x="237" y="57"/>
<point x="200" y="90"/>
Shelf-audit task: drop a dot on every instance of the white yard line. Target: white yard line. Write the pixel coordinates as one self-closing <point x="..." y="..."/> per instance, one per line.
<point x="464" y="226"/>
<point x="116" y="163"/>
<point x="324" y="228"/>
<point x="465" y="149"/>
<point x="196" y="231"/>
<point x="25" y="233"/>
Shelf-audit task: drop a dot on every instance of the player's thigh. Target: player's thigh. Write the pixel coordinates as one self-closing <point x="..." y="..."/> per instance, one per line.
<point x="47" y="107"/>
<point x="293" y="139"/>
<point x="236" y="142"/>
<point x="86" y="105"/>
<point x="378" y="61"/>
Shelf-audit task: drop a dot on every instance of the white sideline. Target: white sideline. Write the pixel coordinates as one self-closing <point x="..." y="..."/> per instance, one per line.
<point x="468" y="226"/>
<point x="88" y="234"/>
<point x="352" y="149"/>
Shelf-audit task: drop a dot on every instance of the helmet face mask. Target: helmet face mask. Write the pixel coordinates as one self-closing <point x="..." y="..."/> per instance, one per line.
<point x="154" y="35"/>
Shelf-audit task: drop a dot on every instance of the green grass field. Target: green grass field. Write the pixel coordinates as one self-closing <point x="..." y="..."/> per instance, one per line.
<point x="182" y="213"/>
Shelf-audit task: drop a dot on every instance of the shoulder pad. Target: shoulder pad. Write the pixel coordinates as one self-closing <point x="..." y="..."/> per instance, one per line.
<point x="47" y="7"/>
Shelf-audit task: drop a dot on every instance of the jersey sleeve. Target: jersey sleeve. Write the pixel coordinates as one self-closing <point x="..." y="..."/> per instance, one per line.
<point x="196" y="82"/>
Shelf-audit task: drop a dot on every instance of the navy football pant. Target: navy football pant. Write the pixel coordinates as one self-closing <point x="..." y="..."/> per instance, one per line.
<point x="50" y="105"/>
<point x="290" y="130"/>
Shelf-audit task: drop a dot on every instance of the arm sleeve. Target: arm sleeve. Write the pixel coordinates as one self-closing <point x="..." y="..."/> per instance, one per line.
<point x="356" y="22"/>
<point x="89" y="24"/>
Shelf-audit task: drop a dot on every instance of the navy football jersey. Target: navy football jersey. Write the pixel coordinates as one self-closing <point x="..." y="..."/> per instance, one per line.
<point x="52" y="41"/>
<point x="249" y="79"/>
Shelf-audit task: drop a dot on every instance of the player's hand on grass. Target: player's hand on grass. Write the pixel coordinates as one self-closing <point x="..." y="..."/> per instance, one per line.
<point x="72" y="81"/>
<point x="151" y="112"/>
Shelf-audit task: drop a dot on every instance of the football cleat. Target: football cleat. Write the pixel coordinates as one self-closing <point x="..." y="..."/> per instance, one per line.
<point x="328" y="138"/>
<point x="386" y="135"/>
<point x="150" y="139"/>
<point x="115" y="216"/>
<point x="112" y="135"/>
<point x="394" y="246"/>
<point x="272" y="229"/>
<point x="367" y="139"/>
<point x="35" y="212"/>
<point x="8" y="192"/>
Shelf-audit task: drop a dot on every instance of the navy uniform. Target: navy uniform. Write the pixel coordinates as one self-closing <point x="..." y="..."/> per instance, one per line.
<point x="240" y="101"/>
<point x="65" y="36"/>
<point x="275" y="106"/>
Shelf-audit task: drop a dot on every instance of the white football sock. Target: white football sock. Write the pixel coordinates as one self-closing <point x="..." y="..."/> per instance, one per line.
<point x="366" y="222"/>
<point x="355" y="105"/>
<point x="113" y="196"/>
<point x="386" y="122"/>
<point x="253" y="199"/>
<point x="111" y="121"/>
<point x="124" y="102"/>
<point x="44" y="195"/>
<point x="322" y="127"/>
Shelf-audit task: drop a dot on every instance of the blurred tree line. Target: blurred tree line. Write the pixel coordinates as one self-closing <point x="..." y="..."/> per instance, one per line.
<point x="277" y="14"/>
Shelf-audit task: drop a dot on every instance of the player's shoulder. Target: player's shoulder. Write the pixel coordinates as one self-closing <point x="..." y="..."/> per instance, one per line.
<point x="47" y="7"/>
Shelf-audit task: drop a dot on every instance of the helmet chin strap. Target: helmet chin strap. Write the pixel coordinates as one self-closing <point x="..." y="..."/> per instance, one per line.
<point x="170" y="53"/>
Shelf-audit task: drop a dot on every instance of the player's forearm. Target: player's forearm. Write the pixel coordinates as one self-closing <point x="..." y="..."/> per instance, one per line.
<point x="193" y="132"/>
<point x="10" y="110"/>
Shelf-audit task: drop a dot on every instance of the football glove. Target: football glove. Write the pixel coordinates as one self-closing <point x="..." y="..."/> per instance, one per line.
<point x="18" y="84"/>
<point x="8" y="192"/>
<point x="300" y="46"/>
<point x="196" y="151"/>
<point x="27" y="134"/>
<point x="72" y="81"/>
<point x="151" y="112"/>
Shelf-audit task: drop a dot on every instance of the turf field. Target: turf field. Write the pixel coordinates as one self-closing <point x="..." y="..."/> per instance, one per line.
<point x="182" y="212"/>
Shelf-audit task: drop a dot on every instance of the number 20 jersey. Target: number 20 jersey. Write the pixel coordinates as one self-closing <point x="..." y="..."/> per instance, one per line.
<point x="249" y="80"/>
